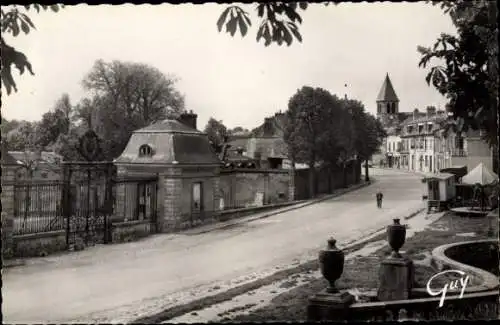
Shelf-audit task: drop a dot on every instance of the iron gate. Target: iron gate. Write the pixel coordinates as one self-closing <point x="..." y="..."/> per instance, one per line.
<point x="87" y="196"/>
<point x="88" y="202"/>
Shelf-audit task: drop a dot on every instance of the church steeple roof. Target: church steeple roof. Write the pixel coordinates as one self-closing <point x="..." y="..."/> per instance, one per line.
<point x="387" y="93"/>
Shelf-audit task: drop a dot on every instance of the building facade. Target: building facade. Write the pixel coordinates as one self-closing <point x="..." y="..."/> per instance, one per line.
<point x="416" y="140"/>
<point x="418" y="134"/>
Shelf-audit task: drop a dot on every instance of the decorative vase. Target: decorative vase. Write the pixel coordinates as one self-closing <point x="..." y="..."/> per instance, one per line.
<point x="331" y="262"/>
<point x="396" y="234"/>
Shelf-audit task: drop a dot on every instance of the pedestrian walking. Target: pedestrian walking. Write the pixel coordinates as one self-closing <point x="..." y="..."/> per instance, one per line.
<point x="379" y="196"/>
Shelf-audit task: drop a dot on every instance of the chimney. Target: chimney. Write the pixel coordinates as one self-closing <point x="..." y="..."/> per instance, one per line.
<point x="415" y="113"/>
<point x="268" y="127"/>
<point x="431" y="110"/>
<point x="188" y="119"/>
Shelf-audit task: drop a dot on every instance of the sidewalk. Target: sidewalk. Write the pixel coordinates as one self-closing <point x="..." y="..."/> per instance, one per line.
<point x="109" y="249"/>
<point x="266" y="214"/>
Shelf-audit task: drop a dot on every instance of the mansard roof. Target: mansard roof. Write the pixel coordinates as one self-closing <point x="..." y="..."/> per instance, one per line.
<point x="170" y="142"/>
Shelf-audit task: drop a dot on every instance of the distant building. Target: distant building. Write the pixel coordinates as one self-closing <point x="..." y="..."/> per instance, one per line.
<point x="419" y="141"/>
<point x="44" y="165"/>
<point x="416" y="142"/>
<point x="265" y="145"/>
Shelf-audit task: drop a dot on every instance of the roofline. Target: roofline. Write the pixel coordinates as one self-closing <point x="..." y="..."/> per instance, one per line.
<point x="167" y="164"/>
<point x="170" y="132"/>
<point x="383" y="100"/>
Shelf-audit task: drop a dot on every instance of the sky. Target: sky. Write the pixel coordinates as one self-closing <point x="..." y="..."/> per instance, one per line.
<point x="233" y="79"/>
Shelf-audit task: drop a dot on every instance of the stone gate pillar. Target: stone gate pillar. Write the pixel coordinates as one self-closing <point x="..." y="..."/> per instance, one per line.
<point x="8" y="181"/>
<point x="217" y="194"/>
<point x="169" y="200"/>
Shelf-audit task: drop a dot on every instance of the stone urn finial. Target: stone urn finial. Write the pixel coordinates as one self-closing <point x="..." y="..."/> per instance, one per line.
<point x="396" y="234"/>
<point x="331" y="262"/>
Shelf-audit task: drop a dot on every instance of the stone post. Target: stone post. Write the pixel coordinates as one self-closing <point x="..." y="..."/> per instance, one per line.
<point x="396" y="279"/>
<point x="8" y="181"/>
<point x="7" y="235"/>
<point x="291" y="184"/>
<point x="217" y="194"/>
<point x="331" y="303"/>
<point x="397" y="272"/>
<point x="170" y="193"/>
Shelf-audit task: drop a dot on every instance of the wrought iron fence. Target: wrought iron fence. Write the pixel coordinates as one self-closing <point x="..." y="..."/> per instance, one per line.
<point x="37" y="207"/>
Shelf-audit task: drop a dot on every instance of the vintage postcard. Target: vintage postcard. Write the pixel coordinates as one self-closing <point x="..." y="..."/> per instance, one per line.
<point x="249" y="162"/>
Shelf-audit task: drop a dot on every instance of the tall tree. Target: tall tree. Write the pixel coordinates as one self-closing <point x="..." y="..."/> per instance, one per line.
<point x="469" y="75"/>
<point x="128" y="96"/>
<point x="55" y="122"/>
<point x="217" y="134"/>
<point x="368" y="134"/>
<point x="13" y="20"/>
<point x="308" y="111"/>
<point x="336" y="140"/>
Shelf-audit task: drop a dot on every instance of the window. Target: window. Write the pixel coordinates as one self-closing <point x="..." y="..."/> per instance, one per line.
<point x="145" y="150"/>
<point x="420" y="128"/>
<point x="429" y="127"/>
<point x="197" y="197"/>
<point x="426" y="161"/>
<point x="44" y="175"/>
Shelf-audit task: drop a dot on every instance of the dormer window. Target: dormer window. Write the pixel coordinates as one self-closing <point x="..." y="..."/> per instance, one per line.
<point x="145" y="151"/>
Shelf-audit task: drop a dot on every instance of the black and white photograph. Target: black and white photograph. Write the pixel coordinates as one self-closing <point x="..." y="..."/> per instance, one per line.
<point x="249" y="162"/>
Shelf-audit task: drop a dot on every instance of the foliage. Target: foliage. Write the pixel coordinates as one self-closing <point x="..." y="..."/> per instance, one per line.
<point x="126" y="96"/>
<point x="321" y="128"/>
<point x="469" y="75"/>
<point x="217" y="133"/>
<point x="278" y="21"/>
<point x="54" y="123"/>
<point x="13" y="20"/>
<point x="238" y="130"/>
<point x="21" y="138"/>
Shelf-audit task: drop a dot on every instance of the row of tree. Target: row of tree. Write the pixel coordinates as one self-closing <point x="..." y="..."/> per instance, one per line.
<point x="322" y="129"/>
<point x="122" y="97"/>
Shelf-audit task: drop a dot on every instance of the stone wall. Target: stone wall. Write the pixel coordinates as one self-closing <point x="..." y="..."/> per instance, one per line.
<point x="39" y="244"/>
<point x="326" y="180"/>
<point x="131" y="230"/>
<point x="246" y="188"/>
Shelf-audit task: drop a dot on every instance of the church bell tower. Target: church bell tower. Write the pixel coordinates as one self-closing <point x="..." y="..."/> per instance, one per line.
<point x="387" y="102"/>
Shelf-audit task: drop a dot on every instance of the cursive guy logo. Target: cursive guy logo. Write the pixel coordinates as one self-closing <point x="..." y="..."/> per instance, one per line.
<point x="452" y="285"/>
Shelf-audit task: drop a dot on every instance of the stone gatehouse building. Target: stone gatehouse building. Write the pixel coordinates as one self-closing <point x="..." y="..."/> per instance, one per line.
<point x="186" y="166"/>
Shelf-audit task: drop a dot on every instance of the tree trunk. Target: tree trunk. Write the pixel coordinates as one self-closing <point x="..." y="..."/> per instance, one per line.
<point x="367" y="178"/>
<point x="330" y="189"/>
<point x="312" y="183"/>
<point x="344" y="175"/>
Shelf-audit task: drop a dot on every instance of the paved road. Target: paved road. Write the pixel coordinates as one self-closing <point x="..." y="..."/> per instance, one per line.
<point x="120" y="282"/>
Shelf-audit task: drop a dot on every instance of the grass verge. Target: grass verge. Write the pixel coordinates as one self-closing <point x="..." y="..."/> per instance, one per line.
<point x="362" y="272"/>
<point x="202" y="303"/>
